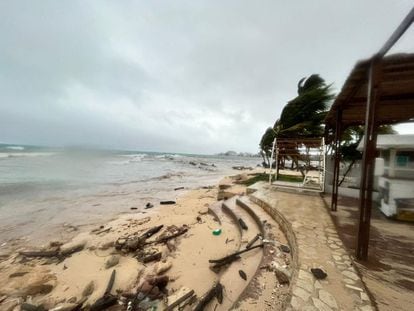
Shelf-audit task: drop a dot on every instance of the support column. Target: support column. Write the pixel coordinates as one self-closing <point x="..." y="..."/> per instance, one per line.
<point x="368" y="159"/>
<point x="337" y="160"/>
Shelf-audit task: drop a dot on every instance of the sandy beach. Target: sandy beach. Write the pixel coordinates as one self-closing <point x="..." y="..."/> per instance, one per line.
<point x="73" y="272"/>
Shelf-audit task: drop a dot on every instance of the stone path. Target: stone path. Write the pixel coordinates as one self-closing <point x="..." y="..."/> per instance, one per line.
<point x="315" y="244"/>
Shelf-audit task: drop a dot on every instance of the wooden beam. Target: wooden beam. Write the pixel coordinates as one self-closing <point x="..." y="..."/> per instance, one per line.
<point x="401" y="29"/>
<point x="368" y="160"/>
<point x="337" y="160"/>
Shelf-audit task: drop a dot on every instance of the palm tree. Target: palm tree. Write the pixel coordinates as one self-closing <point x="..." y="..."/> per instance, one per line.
<point x="266" y="144"/>
<point x="303" y="116"/>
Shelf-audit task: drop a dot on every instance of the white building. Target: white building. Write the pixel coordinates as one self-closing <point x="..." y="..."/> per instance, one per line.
<point x="395" y="171"/>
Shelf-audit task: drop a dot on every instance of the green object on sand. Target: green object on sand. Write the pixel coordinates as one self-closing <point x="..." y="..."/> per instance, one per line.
<point x="217" y="232"/>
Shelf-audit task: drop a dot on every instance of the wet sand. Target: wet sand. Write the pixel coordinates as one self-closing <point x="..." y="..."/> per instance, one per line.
<point x="58" y="281"/>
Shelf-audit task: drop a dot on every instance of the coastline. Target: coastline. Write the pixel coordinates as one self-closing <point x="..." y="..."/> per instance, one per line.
<point x="54" y="281"/>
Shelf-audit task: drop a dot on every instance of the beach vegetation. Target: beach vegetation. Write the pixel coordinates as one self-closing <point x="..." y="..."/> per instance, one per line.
<point x="302" y="117"/>
<point x="254" y="179"/>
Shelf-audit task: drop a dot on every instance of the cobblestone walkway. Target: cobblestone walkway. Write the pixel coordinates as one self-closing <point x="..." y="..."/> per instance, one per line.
<point x="315" y="240"/>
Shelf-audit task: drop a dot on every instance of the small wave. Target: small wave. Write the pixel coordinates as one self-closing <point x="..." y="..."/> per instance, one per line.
<point x="137" y="157"/>
<point x="25" y="154"/>
<point x="15" y="148"/>
<point x="168" y="156"/>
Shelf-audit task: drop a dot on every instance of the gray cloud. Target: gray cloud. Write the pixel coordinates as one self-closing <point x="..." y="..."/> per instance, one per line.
<point x="189" y="76"/>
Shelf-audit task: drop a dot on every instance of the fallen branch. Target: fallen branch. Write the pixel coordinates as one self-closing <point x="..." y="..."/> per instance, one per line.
<point x="234" y="254"/>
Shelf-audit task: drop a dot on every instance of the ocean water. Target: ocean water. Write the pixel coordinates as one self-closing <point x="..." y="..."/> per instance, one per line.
<point x="42" y="190"/>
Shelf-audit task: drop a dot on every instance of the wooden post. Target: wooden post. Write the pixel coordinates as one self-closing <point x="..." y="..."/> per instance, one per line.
<point x="277" y="160"/>
<point x="271" y="162"/>
<point x="337" y="160"/>
<point x="368" y="159"/>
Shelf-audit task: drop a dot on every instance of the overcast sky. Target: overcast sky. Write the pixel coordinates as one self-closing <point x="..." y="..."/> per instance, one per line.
<point x="178" y="76"/>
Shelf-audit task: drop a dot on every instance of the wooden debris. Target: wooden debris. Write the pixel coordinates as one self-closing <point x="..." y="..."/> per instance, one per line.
<point x="107" y="299"/>
<point x="243" y="224"/>
<point x="218" y="263"/>
<point x="180" y="300"/>
<point x="234" y="254"/>
<point x="219" y="292"/>
<point x="167" y="202"/>
<point x="250" y="244"/>
<point x="243" y="275"/>
<point x="215" y="291"/>
<point x="217" y="266"/>
<point x="152" y="257"/>
<point x="189" y="301"/>
<point x="103" y="303"/>
<point x="134" y="242"/>
<point x="176" y="232"/>
<point x="152" y="231"/>
<point x="110" y="283"/>
<point x="178" y="188"/>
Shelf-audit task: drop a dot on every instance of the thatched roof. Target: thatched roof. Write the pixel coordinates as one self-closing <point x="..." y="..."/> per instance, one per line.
<point x="396" y="102"/>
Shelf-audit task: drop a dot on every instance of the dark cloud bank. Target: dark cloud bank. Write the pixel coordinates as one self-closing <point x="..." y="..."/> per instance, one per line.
<point x="181" y="76"/>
